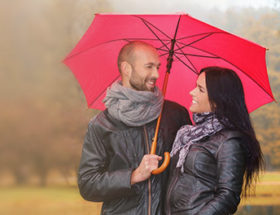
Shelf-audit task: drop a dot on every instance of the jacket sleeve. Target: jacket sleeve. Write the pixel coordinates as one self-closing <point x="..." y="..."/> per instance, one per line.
<point x="95" y="182"/>
<point x="231" y="167"/>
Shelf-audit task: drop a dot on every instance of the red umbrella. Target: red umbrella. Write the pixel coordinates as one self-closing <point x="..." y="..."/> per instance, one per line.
<point x="189" y="43"/>
<point x="94" y="59"/>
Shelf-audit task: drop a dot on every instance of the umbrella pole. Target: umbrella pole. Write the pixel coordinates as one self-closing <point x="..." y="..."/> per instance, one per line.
<point x="154" y="143"/>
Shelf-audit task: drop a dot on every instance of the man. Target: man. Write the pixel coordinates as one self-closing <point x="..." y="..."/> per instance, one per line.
<point x="116" y="165"/>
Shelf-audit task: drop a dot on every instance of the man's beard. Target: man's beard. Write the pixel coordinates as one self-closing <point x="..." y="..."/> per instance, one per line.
<point x="139" y="85"/>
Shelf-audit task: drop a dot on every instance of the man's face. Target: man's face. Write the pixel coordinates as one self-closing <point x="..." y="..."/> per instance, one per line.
<point x="145" y="65"/>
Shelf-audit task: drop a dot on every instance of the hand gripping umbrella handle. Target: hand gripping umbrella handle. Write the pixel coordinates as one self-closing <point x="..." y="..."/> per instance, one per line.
<point x="166" y="161"/>
<point x="164" y="165"/>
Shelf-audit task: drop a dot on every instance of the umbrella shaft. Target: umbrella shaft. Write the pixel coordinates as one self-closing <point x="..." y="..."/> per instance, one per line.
<point x="170" y="56"/>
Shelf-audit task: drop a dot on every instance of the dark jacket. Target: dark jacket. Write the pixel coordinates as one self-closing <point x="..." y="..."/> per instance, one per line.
<point x="212" y="179"/>
<point x="112" y="150"/>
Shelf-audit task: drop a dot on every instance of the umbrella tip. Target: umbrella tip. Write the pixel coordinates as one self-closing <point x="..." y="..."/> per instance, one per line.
<point x="181" y="13"/>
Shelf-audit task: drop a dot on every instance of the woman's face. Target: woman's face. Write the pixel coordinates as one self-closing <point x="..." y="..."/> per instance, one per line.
<point x="200" y="101"/>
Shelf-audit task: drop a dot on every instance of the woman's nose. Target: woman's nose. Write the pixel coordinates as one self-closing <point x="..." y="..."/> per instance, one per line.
<point x="192" y="92"/>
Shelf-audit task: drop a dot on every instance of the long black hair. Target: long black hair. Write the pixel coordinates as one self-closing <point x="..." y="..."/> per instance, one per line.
<point x="227" y="100"/>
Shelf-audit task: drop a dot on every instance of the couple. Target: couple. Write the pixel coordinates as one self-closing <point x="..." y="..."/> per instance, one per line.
<point x="209" y="160"/>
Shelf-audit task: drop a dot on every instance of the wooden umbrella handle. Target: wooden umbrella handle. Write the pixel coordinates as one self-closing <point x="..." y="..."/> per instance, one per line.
<point x="166" y="161"/>
<point x="164" y="165"/>
<point x="153" y="151"/>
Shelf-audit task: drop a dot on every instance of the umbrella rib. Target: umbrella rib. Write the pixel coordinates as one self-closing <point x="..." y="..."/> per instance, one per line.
<point x="202" y="38"/>
<point x="193" y="70"/>
<point x="196" y="55"/>
<point x="125" y="39"/>
<point x="146" y="23"/>
<point x="237" y="68"/>
<point x="161" y="48"/>
<point x="186" y="56"/>
<point x="195" y="35"/>
<point x="100" y="94"/>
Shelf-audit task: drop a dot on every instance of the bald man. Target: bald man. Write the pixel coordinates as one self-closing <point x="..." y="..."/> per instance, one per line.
<point x="116" y="166"/>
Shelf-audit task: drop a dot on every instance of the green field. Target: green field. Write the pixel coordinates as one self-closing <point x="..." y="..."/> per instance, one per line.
<point x="66" y="200"/>
<point x="45" y="201"/>
<point x="267" y="191"/>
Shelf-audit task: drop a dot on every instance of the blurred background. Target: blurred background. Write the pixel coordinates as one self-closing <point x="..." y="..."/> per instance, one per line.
<point x="44" y="115"/>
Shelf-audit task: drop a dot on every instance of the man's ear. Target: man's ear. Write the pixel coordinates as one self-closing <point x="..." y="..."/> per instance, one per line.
<point x="126" y="68"/>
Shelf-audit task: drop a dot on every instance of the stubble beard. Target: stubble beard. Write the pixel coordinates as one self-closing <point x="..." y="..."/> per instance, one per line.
<point x="139" y="85"/>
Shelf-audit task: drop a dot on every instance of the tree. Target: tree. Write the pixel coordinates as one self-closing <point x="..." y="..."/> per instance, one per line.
<point x="43" y="111"/>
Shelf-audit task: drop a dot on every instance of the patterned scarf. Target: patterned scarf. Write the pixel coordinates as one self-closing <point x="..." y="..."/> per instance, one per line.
<point x="132" y="107"/>
<point x="207" y="124"/>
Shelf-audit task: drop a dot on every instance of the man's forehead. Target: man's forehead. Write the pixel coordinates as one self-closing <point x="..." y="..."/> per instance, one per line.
<point x="145" y="48"/>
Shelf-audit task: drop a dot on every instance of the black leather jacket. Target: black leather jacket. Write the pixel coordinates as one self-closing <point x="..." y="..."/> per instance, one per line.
<point x="112" y="150"/>
<point x="212" y="179"/>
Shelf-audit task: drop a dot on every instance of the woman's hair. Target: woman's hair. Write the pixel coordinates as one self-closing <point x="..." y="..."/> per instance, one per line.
<point x="226" y="97"/>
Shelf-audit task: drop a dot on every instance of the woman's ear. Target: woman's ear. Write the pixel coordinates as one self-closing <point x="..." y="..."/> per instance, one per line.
<point x="213" y="106"/>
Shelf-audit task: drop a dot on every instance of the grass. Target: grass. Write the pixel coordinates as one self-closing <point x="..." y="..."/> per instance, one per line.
<point x="270" y="177"/>
<point x="267" y="191"/>
<point x="45" y="201"/>
<point x="67" y="200"/>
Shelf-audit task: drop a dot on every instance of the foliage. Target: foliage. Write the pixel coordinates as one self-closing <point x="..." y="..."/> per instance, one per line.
<point x="43" y="112"/>
<point x="263" y="27"/>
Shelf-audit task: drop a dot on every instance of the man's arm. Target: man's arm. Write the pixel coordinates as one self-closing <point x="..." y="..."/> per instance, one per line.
<point x="96" y="183"/>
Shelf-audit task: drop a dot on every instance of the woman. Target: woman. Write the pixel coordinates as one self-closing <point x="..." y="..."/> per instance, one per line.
<point x="211" y="159"/>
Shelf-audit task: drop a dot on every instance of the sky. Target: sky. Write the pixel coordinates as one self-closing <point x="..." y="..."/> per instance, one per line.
<point x="148" y="6"/>
<point x="224" y="4"/>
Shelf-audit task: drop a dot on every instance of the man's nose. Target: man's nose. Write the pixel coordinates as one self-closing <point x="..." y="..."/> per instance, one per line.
<point x="155" y="73"/>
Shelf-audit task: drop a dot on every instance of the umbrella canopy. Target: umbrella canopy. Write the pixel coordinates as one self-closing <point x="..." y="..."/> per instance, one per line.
<point x="197" y="44"/>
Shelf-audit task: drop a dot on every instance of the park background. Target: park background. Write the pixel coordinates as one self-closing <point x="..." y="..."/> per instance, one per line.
<point x="43" y="112"/>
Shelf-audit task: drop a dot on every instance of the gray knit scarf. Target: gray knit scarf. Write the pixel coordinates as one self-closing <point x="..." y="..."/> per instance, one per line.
<point x="132" y="107"/>
<point x="207" y="124"/>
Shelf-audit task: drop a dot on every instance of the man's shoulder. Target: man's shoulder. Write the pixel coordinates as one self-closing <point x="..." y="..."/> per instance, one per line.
<point x="97" y="118"/>
<point x="175" y="111"/>
<point x="105" y="121"/>
<point x="173" y="105"/>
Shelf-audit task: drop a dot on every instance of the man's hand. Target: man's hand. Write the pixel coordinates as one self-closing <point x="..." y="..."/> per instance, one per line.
<point x="144" y="170"/>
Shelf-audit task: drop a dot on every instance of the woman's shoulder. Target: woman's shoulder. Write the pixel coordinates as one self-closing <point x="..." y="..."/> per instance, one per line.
<point x="227" y="134"/>
<point x="231" y="140"/>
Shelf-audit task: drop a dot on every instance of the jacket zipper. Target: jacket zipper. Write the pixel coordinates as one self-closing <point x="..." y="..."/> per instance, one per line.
<point x="169" y="191"/>
<point x="149" y="180"/>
